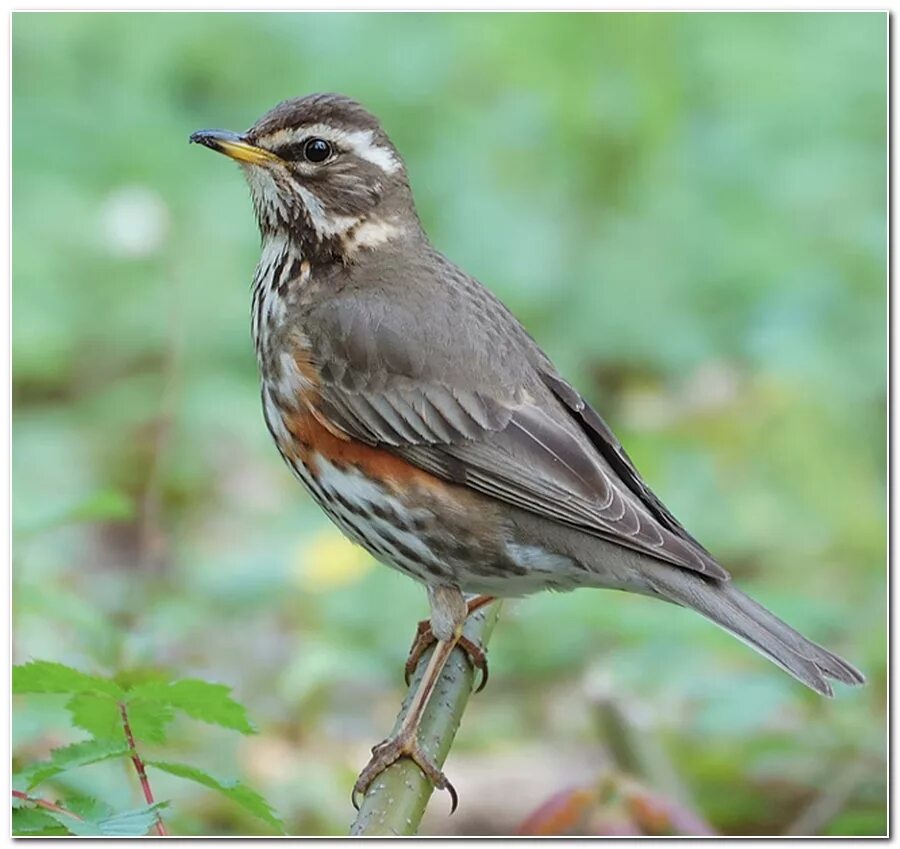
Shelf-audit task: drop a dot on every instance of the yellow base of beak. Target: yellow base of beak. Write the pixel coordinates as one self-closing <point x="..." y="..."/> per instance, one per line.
<point x="234" y="146"/>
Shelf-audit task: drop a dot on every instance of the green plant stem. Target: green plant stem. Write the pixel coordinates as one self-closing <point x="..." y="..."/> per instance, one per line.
<point x="395" y="803"/>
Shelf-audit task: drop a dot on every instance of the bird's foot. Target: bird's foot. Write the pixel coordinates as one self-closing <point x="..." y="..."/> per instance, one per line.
<point x="425" y="639"/>
<point x="388" y="752"/>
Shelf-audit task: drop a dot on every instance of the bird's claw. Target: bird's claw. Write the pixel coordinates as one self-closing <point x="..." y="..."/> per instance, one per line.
<point x="389" y="752"/>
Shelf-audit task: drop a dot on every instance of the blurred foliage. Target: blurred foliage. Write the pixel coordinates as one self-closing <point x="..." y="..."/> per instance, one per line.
<point x="687" y="211"/>
<point x="120" y="715"/>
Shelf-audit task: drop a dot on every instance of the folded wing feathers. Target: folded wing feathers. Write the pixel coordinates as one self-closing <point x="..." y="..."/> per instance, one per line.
<point x="528" y="454"/>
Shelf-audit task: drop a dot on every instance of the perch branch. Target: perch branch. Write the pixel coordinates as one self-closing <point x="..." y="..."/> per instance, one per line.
<point x="394" y="805"/>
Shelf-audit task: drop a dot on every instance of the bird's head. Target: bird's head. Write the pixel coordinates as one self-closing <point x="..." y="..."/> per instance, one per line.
<point x="323" y="171"/>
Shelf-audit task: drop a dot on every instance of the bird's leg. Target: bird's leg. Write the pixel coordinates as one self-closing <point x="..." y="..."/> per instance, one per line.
<point x="405" y="742"/>
<point x="448" y="614"/>
<point x="425" y="638"/>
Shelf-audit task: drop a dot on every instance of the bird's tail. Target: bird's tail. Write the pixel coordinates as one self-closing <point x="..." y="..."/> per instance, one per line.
<point x="741" y="616"/>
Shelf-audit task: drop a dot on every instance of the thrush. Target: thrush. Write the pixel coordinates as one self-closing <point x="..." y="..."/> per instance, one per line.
<point x="429" y="425"/>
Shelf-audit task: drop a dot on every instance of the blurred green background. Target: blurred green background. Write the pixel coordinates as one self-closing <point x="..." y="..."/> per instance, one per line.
<point x="687" y="211"/>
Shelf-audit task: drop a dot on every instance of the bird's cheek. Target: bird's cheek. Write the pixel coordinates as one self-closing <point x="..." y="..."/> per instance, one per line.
<point x="358" y="199"/>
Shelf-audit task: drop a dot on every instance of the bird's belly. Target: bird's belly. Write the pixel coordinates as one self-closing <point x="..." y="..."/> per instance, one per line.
<point x="392" y="531"/>
<point x="402" y="516"/>
<point x="433" y="531"/>
<point x="430" y="542"/>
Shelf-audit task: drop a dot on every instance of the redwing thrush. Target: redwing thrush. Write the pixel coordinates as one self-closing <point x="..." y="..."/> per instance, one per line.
<point x="429" y="425"/>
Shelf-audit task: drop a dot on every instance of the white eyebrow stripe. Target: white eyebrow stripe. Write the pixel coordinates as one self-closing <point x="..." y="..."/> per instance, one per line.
<point x="360" y="142"/>
<point x="363" y="143"/>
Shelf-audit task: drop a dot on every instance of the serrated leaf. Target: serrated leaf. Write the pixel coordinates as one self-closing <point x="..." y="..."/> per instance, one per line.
<point x="131" y="823"/>
<point x="134" y="823"/>
<point x="44" y="676"/>
<point x="88" y="808"/>
<point x="98" y="714"/>
<point x="149" y="719"/>
<point x="34" y="821"/>
<point x="69" y="757"/>
<point x="248" y="799"/>
<point x="199" y="699"/>
<point x="101" y="716"/>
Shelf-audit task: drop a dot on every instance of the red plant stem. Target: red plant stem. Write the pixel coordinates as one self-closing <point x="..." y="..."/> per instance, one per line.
<point x="139" y="768"/>
<point x="43" y="803"/>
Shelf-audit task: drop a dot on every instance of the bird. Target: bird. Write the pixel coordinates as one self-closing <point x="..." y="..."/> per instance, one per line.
<point x="430" y="426"/>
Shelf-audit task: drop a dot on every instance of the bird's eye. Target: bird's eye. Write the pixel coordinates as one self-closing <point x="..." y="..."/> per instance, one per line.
<point x="316" y="150"/>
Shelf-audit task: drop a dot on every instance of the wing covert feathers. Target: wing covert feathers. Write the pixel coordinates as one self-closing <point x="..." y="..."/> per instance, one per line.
<point x="508" y="427"/>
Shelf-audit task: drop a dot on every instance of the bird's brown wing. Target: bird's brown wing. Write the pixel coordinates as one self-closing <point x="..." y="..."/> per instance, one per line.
<point x="607" y="443"/>
<point x="483" y="417"/>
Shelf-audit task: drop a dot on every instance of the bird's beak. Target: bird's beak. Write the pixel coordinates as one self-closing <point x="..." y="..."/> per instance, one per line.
<point x="234" y="145"/>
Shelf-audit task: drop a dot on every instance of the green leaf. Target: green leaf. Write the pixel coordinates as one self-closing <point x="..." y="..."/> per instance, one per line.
<point x="98" y="714"/>
<point x="35" y="821"/>
<point x="44" y="676"/>
<point x="87" y="807"/>
<point x="134" y="823"/>
<point x="131" y="823"/>
<point x="234" y="790"/>
<point x="69" y="757"/>
<point x="96" y="819"/>
<point x="199" y="699"/>
<point x="149" y="720"/>
<point x="101" y="716"/>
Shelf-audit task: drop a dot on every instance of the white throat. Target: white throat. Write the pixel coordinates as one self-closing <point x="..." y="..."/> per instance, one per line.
<point x="279" y="273"/>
